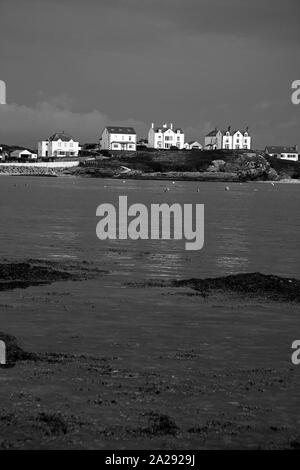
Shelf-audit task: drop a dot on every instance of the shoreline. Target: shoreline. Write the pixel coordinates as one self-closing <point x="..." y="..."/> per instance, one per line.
<point x="208" y="386"/>
<point x="78" y="172"/>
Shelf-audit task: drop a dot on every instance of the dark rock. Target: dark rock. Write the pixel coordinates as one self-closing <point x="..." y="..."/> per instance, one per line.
<point x="14" y="352"/>
<point x="248" y="284"/>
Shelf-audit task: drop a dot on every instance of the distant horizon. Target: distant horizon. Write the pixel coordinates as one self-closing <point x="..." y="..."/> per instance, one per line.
<point x="33" y="144"/>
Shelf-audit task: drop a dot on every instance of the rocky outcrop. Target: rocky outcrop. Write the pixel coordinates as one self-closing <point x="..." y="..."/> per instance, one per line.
<point x="251" y="167"/>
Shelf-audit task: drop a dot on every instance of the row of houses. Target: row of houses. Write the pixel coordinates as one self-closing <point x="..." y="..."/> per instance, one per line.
<point x="116" y="138"/>
<point x="167" y="136"/>
<point x="164" y="137"/>
<point x="228" y="139"/>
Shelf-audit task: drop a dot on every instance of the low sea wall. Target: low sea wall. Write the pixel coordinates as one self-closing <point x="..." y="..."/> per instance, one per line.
<point x="40" y="164"/>
<point x="36" y="169"/>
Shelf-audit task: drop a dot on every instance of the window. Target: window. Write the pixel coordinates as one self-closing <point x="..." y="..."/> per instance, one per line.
<point x="129" y="137"/>
<point x="227" y="146"/>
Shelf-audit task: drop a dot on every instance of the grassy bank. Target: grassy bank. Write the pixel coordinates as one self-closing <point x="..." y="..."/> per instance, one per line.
<point x="218" y="165"/>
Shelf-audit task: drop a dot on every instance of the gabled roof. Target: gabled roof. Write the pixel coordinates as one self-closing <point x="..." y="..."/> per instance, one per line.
<point x="120" y="130"/>
<point x="165" y="129"/>
<point x="213" y="133"/>
<point x="227" y="130"/>
<point x="193" y="142"/>
<point x="278" y="149"/>
<point x="18" y="151"/>
<point x="162" y="129"/>
<point x="60" y="136"/>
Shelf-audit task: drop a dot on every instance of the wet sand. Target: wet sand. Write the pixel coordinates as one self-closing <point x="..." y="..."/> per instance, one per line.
<point x="183" y="364"/>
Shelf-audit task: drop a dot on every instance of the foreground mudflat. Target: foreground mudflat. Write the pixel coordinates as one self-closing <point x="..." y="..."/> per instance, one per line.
<point x="167" y="366"/>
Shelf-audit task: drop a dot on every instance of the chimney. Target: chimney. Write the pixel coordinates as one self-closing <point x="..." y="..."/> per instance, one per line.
<point x="165" y="125"/>
<point x="171" y="125"/>
<point x="152" y="125"/>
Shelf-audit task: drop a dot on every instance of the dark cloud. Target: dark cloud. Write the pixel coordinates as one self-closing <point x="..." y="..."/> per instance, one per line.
<point x="193" y="62"/>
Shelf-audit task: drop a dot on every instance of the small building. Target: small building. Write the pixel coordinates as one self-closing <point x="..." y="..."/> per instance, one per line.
<point x="22" y="154"/>
<point x="193" y="144"/>
<point x="284" y="153"/>
<point x="165" y="137"/>
<point x="2" y="92"/>
<point x="59" y="145"/>
<point x="118" y="138"/>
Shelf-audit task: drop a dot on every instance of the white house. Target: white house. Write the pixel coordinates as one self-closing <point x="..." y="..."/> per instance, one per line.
<point x="165" y="137"/>
<point x="284" y="153"/>
<point x="118" y="138"/>
<point x="23" y="154"/>
<point x="193" y="144"/>
<point x="2" y="154"/>
<point x="59" y="145"/>
<point x="228" y="139"/>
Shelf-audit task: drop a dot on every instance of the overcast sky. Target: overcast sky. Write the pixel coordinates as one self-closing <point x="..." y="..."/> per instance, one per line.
<point x="78" y="65"/>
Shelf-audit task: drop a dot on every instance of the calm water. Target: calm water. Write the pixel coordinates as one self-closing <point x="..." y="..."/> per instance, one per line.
<point x="252" y="227"/>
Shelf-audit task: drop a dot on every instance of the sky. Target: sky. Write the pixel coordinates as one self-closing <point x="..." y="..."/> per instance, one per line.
<point x="79" y="65"/>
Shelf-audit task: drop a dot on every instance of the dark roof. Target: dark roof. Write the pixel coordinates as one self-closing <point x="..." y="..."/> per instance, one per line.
<point x="212" y="133"/>
<point x="120" y="130"/>
<point x="272" y="149"/>
<point x="60" y="136"/>
<point x="165" y="129"/>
